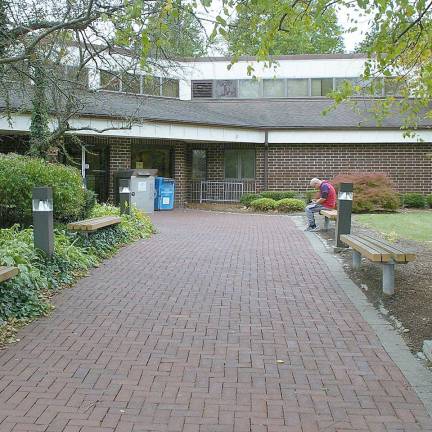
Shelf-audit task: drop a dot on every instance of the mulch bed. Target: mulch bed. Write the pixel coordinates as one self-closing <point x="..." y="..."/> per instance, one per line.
<point x="410" y="308"/>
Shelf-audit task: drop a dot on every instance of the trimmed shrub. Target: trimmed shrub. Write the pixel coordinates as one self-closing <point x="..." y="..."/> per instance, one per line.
<point x="290" y="205"/>
<point x="429" y="200"/>
<point x="413" y="200"/>
<point x="372" y="191"/>
<point x="263" y="204"/>
<point x="27" y="295"/>
<point x="278" y="195"/>
<point x="247" y="198"/>
<point x="18" y="176"/>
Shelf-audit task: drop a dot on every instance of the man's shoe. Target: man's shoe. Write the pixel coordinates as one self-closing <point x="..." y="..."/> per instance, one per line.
<point x="312" y="229"/>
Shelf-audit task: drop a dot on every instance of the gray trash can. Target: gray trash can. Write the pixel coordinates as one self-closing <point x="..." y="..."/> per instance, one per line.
<point x="142" y="187"/>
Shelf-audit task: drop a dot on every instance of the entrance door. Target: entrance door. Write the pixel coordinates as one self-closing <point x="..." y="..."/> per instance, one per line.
<point x="97" y="169"/>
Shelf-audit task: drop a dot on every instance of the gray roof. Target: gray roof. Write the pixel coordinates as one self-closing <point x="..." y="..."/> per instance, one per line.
<point x="251" y="113"/>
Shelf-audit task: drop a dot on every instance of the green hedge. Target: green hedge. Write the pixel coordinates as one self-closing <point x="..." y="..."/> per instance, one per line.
<point x="288" y="205"/>
<point x="263" y="204"/>
<point x="27" y="295"/>
<point x="413" y="200"/>
<point x="429" y="200"/>
<point x="278" y="195"/>
<point x="20" y="174"/>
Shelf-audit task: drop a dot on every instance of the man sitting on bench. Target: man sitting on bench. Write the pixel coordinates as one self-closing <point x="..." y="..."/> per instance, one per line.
<point x="326" y="201"/>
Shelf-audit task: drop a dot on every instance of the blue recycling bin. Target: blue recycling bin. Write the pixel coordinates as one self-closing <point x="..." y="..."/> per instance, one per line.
<point x="164" y="193"/>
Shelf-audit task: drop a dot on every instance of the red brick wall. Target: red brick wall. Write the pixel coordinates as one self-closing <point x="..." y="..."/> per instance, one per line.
<point x="292" y="165"/>
<point x="120" y="158"/>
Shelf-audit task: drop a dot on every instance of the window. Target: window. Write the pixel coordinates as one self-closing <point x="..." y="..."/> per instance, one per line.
<point x="393" y="86"/>
<point x="151" y="85"/>
<point x="239" y="164"/>
<point x="321" y="86"/>
<point x="199" y="164"/>
<point x="152" y="157"/>
<point x="250" y="88"/>
<point x="76" y="76"/>
<point x="131" y="83"/>
<point x="226" y="89"/>
<point x="109" y="81"/>
<point x="170" y="87"/>
<point x="298" y="87"/>
<point x="274" y="88"/>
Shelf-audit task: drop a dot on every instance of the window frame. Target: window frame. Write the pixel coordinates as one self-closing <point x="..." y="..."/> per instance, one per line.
<point x="206" y="165"/>
<point x="239" y="164"/>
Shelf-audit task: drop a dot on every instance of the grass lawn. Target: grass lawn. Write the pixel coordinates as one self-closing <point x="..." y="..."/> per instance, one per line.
<point x="412" y="225"/>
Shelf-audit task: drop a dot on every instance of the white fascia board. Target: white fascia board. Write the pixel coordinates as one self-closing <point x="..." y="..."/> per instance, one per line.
<point x="312" y="68"/>
<point x="345" y="136"/>
<point x="21" y="123"/>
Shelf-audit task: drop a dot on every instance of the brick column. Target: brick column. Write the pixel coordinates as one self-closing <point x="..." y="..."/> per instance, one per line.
<point x="120" y="158"/>
<point x="181" y="173"/>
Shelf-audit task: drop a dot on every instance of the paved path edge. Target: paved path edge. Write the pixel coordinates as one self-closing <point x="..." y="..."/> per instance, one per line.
<point x="416" y="374"/>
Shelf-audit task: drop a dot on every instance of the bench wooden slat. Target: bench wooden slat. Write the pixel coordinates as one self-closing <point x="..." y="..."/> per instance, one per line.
<point x="367" y="249"/>
<point x="331" y="214"/>
<point x="398" y="254"/>
<point x="94" y="224"/>
<point x="7" y="273"/>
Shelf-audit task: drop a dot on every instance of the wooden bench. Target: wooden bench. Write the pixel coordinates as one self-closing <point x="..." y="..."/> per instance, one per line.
<point x="378" y="251"/>
<point x="328" y="216"/>
<point x="7" y="273"/>
<point x="91" y="225"/>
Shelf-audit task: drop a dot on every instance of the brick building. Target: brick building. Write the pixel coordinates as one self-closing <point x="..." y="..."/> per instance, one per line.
<point x="218" y="132"/>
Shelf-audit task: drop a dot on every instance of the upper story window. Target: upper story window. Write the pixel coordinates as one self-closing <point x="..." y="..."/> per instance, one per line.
<point x="139" y="84"/>
<point x="288" y="87"/>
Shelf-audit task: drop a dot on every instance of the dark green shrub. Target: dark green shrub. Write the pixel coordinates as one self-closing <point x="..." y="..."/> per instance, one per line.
<point x="413" y="200"/>
<point x="278" y="195"/>
<point x="429" y="200"/>
<point x="18" y="176"/>
<point x="290" y="205"/>
<point x="247" y="198"/>
<point x="372" y="191"/>
<point x="263" y="204"/>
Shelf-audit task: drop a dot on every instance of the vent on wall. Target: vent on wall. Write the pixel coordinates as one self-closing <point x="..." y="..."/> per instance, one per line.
<point x="202" y="89"/>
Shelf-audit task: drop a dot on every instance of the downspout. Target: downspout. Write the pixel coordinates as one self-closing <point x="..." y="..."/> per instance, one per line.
<point x="266" y="144"/>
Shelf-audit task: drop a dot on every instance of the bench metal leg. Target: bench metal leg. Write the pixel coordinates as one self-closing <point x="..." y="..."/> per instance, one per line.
<point x="388" y="278"/>
<point x="356" y="259"/>
<point x="326" y="223"/>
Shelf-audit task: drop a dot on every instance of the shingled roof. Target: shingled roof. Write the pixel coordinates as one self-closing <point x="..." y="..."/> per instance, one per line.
<point x="251" y="113"/>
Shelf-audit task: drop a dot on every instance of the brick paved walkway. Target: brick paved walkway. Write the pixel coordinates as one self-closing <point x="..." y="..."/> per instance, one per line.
<point x="219" y="323"/>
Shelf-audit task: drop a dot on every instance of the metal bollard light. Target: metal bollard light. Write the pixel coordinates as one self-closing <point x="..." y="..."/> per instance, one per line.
<point x="43" y="224"/>
<point x="124" y="196"/>
<point x="344" y="209"/>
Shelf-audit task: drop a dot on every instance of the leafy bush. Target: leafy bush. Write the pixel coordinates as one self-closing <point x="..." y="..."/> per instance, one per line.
<point x="372" y="191"/>
<point x="278" y="195"/>
<point x="27" y="295"/>
<point x="263" y="204"/>
<point x="18" y="176"/>
<point x="414" y="200"/>
<point x="429" y="200"/>
<point x="247" y="198"/>
<point x="290" y="205"/>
